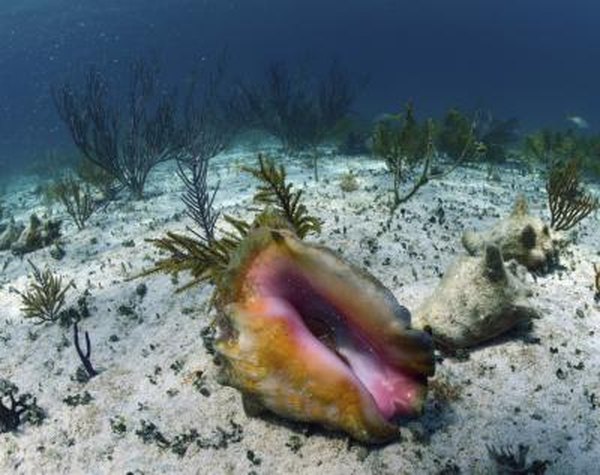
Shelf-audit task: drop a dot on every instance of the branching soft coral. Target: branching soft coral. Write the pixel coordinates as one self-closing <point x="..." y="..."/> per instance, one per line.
<point x="45" y="296"/>
<point x="16" y="409"/>
<point x="569" y="203"/>
<point x="274" y="191"/>
<point x="202" y="259"/>
<point x="207" y="260"/>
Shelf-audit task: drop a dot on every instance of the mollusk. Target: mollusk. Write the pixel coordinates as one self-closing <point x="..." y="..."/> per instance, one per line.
<point x="478" y="299"/>
<point x="310" y="337"/>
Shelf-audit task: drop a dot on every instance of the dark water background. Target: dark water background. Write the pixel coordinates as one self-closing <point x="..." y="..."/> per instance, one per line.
<point x="538" y="60"/>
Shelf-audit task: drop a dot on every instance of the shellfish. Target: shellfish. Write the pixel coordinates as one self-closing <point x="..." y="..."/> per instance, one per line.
<point x="520" y="236"/>
<point x="478" y="299"/>
<point x="310" y="337"/>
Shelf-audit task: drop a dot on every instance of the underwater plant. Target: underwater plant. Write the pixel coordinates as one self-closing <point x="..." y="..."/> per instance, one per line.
<point x="77" y="199"/>
<point x="510" y="462"/>
<point x="198" y="199"/>
<point x="16" y="408"/>
<point x="568" y="202"/>
<point x="273" y="190"/>
<point x="45" y="296"/>
<point x="496" y="135"/>
<point x="457" y="136"/>
<point x="348" y="182"/>
<point x="301" y="332"/>
<point x="300" y="112"/>
<point x="97" y="178"/>
<point x="352" y="136"/>
<point x="206" y="259"/>
<point x="546" y="147"/>
<point x="206" y="136"/>
<point x="550" y="148"/>
<point x="406" y="145"/>
<point x="127" y="146"/>
<point x="210" y="125"/>
<point x="127" y="143"/>
<point x="401" y="141"/>
<point x="202" y="260"/>
<point x="84" y="356"/>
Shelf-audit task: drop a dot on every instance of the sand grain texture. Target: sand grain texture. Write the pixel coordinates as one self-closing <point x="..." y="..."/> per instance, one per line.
<point x="544" y="395"/>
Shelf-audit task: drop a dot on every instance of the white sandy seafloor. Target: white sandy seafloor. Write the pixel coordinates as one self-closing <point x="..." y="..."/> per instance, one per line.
<point x="540" y="390"/>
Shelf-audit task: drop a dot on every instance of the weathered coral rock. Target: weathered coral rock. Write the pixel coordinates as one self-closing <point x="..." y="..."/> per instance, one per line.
<point x="520" y="236"/>
<point x="37" y="235"/>
<point x="310" y="337"/>
<point x="478" y="299"/>
<point x="9" y="233"/>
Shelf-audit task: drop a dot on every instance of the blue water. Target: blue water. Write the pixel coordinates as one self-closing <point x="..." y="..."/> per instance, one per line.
<point x="533" y="59"/>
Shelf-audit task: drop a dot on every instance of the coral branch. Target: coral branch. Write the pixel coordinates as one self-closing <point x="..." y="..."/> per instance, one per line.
<point x="77" y="199"/>
<point x="45" y="296"/>
<point x="275" y="191"/>
<point x="202" y="259"/>
<point x="207" y="260"/>
<point x="567" y="200"/>
<point x="406" y="145"/>
<point x="16" y="410"/>
<point x="127" y="147"/>
<point x="299" y="112"/>
<point x="84" y="356"/>
<point x="197" y="198"/>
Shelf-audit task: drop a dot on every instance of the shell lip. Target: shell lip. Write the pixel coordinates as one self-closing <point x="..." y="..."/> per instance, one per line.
<point x="398" y="389"/>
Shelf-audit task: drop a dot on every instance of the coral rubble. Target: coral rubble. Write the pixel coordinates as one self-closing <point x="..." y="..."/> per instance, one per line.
<point x="21" y="239"/>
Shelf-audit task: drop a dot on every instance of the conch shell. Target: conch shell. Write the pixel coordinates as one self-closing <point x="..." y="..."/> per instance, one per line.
<point x="478" y="299"/>
<point x="310" y="337"/>
<point x="520" y="236"/>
